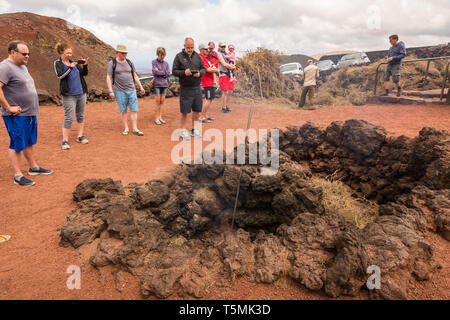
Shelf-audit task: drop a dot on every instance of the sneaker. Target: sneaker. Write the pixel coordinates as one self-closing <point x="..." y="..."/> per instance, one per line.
<point x="185" y="135"/>
<point x="228" y="109"/>
<point x="399" y="92"/>
<point x="22" y="181"/>
<point x="39" y="170"/>
<point x="225" y="110"/>
<point x="65" y="145"/>
<point x="82" y="140"/>
<point x="196" y="133"/>
<point x="162" y="121"/>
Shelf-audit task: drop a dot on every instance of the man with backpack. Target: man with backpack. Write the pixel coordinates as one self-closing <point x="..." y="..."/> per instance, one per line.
<point x="122" y="75"/>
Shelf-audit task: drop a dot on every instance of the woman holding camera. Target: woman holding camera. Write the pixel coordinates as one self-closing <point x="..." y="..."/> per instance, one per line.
<point x="73" y="91"/>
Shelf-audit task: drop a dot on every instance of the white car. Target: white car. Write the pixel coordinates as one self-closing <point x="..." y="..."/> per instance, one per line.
<point x="293" y="69"/>
<point x="353" y="59"/>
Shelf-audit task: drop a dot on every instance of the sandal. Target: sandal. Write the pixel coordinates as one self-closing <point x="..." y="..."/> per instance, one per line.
<point x="125" y="133"/>
<point x="162" y="121"/>
<point x="138" y="133"/>
<point x="158" y="122"/>
<point x="4" y="238"/>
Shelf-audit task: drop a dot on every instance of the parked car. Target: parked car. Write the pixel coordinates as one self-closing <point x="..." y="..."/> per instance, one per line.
<point x="146" y="79"/>
<point x="353" y="59"/>
<point x="326" y="65"/>
<point x="173" y="78"/>
<point x="294" y="70"/>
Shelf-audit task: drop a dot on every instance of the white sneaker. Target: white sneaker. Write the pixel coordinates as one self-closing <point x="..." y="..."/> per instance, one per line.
<point x="65" y="145"/>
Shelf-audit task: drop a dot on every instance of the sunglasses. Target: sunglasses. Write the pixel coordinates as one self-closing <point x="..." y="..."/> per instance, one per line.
<point x="25" y="54"/>
<point x="222" y="46"/>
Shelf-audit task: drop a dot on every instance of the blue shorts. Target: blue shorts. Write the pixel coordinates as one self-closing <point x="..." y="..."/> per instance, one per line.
<point x="22" y="130"/>
<point x="160" y="91"/>
<point x="127" y="99"/>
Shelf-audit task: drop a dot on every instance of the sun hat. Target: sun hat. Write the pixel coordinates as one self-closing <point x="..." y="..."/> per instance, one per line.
<point x="202" y="46"/>
<point x="121" y="48"/>
<point x="222" y="43"/>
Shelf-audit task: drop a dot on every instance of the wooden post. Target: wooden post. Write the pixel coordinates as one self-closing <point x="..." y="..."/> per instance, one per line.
<point x="260" y="84"/>
<point x="426" y="72"/>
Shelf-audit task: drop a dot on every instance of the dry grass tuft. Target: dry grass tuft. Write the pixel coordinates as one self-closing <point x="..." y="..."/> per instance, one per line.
<point x="337" y="199"/>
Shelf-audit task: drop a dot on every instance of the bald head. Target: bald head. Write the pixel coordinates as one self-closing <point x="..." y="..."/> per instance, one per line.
<point x="189" y="46"/>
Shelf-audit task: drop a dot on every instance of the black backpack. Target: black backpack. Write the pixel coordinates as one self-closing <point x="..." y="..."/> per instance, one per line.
<point x="114" y="69"/>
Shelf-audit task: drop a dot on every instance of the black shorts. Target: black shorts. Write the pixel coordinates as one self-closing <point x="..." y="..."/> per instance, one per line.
<point x="210" y="93"/>
<point x="191" y="99"/>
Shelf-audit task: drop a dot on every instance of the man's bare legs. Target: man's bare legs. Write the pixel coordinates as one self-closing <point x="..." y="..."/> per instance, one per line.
<point x="15" y="159"/>
<point x="206" y="106"/>
<point x="184" y="121"/>
<point x="387" y="83"/>
<point x="134" y="118"/>
<point x="125" y="121"/>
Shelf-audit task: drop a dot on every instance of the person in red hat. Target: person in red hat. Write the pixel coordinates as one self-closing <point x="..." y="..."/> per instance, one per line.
<point x="212" y="70"/>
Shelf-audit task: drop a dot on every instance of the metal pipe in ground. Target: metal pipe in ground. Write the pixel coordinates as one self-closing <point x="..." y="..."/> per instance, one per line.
<point x="250" y="115"/>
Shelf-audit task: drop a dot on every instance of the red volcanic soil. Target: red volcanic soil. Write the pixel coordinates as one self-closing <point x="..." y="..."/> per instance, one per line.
<point x="33" y="266"/>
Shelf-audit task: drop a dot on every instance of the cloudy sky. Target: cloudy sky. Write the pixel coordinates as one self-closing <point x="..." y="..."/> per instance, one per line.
<point x="291" y="26"/>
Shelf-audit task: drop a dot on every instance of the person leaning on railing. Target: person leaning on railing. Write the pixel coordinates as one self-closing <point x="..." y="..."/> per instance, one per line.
<point x="396" y="54"/>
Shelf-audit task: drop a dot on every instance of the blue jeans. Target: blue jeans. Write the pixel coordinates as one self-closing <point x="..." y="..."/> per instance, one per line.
<point x="160" y="91"/>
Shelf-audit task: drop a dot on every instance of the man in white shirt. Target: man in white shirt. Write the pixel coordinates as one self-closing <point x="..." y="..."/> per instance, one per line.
<point x="311" y="73"/>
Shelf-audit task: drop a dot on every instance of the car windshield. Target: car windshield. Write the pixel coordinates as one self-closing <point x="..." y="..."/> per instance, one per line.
<point x="324" y="63"/>
<point x="288" y="67"/>
<point x="353" y="56"/>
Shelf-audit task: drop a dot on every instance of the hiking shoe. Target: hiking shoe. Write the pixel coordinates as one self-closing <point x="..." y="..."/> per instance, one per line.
<point x="65" y="145"/>
<point x="82" y="140"/>
<point x="185" y="135"/>
<point x="399" y="92"/>
<point x="228" y="109"/>
<point x="196" y="133"/>
<point x="22" y="181"/>
<point x="162" y="121"/>
<point x="384" y="94"/>
<point x="225" y="110"/>
<point x="39" y="170"/>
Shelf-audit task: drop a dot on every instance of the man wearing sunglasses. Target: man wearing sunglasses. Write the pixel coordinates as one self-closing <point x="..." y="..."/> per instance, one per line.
<point x="19" y="106"/>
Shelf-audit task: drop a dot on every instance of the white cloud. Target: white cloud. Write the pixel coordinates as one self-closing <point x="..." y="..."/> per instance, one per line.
<point x="291" y="26"/>
<point x="4" y="6"/>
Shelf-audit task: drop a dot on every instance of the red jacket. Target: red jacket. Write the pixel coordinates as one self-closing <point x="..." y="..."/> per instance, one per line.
<point x="208" y="78"/>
